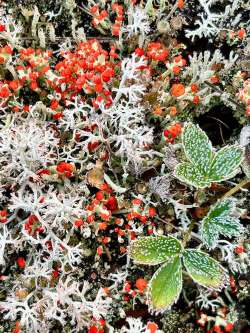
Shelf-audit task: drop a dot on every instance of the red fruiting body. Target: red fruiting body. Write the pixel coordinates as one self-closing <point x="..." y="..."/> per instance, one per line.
<point x="171" y="133"/>
<point x="111" y="203"/>
<point x="136" y="202"/>
<point x="152" y="327"/>
<point x="194" y="87"/>
<point x="3" y="216"/>
<point x="90" y="218"/>
<point x="133" y="293"/>
<point x="141" y="284"/>
<point x="139" y="52"/>
<point x="241" y="33"/>
<point x="217" y="329"/>
<point x="21" y="262"/>
<point x="78" y="223"/>
<point x="127" y="287"/>
<point x="196" y="99"/>
<point x="99" y="195"/>
<point x="229" y="327"/>
<point x="54" y="104"/>
<point x="65" y="168"/>
<point x="93" y="329"/>
<point x="99" y="250"/>
<point x="150" y="231"/>
<point x="143" y="219"/>
<point x="151" y="211"/>
<point x="32" y="225"/>
<point x="239" y="249"/>
<point x="157" y="51"/>
<point x="180" y="4"/>
<point x="55" y="274"/>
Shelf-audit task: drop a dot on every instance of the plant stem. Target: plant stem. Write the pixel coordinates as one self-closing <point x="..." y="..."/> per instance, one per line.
<point x="187" y="235"/>
<point x="236" y="188"/>
<point x="233" y="190"/>
<point x="221" y="92"/>
<point x="172" y="11"/>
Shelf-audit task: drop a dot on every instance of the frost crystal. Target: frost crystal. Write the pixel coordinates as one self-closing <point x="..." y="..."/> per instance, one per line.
<point x="210" y="23"/>
<point x="138" y="24"/>
<point x="128" y="135"/>
<point x="25" y="148"/>
<point x="160" y="186"/>
<point x="131" y="70"/>
<point x="135" y="325"/>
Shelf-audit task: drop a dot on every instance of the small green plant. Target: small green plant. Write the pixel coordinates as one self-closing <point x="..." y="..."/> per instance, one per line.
<point x="166" y="284"/>
<point x="218" y="221"/>
<point x="205" y="166"/>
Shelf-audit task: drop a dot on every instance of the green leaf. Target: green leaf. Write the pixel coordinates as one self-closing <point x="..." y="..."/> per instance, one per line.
<point x="205" y="166"/>
<point x="154" y="250"/>
<point x="209" y="235"/>
<point x="189" y="174"/>
<point x="197" y="147"/>
<point x="219" y="221"/>
<point x="165" y="285"/>
<point x="205" y="270"/>
<point x="225" y="163"/>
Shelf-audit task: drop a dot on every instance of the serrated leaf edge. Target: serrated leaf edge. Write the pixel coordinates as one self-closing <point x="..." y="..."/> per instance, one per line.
<point x="232" y="207"/>
<point x="230" y="146"/>
<point x="232" y="203"/>
<point x="201" y="130"/>
<point x="209" y="180"/>
<point x="236" y="170"/>
<point x="224" y="279"/>
<point x="210" y="247"/>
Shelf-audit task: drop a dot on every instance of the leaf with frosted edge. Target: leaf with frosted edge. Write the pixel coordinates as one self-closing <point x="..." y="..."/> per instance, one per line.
<point x="209" y="235"/>
<point x="189" y="174"/>
<point x="165" y="286"/>
<point x="218" y="221"/>
<point x="152" y="250"/>
<point x="230" y="227"/>
<point x="225" y="163"/>
<point x="204" y="270"/>
<point x="197" y="147"/>
<point x="246" y="167"/>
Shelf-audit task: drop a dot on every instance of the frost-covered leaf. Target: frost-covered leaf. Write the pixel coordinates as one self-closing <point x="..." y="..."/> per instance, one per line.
<point x="205" y="166"/>
<point x="246" y="168"/>
<point x="246" y="161"/>
<point x="219" y="221"/>
<point x="205" y="270"/>
<point x="245" y="142"/>
<point x="225" y="163"/>
<point x="165" y="285"/>
<point x="197" y="147"/>
<point x="209" y="235"/>
<point x="154" y="250"/>
<point x="188" y="173"/>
